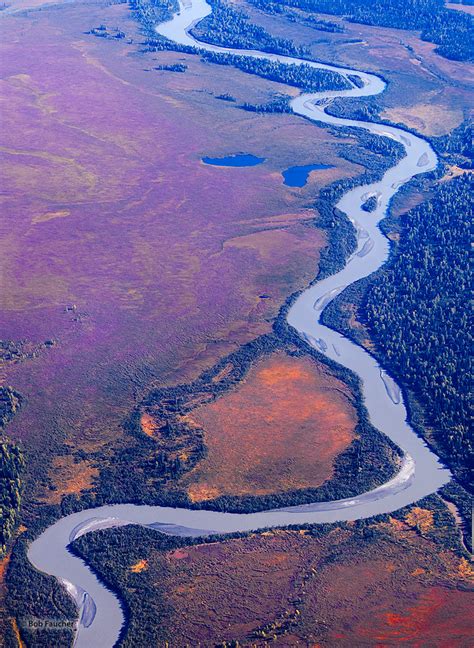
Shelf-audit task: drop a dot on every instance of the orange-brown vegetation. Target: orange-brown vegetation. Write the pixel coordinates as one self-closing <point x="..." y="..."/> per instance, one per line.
<point x="465" y="569"/>
<point x="69" y="477"/>
<point x="358" y="326"/>
<point x="226" y="590"/>
<point x="420" y="519"/>
<point x="386" y="587"/>
<point x="139" y="566"/>
<point x="454" y="171"/>
<point x="148" y="424"/>
<point x="439" y="617"/>
<point x="280" y="429"/>
<point x="7" y="621"/>
<point x="13" y="624"/>
<point x="3" y="570"/>
<point x="182" y="448"/>
<point x="110" y="210"/>
<point x="163" y="257"/>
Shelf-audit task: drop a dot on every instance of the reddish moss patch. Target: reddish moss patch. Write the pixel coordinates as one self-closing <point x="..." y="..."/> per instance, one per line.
<point x="384" y="586"/>
<point x="279" y="430"/>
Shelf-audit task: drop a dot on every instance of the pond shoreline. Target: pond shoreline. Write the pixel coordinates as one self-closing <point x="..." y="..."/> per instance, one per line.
<point x="101" y="615"/>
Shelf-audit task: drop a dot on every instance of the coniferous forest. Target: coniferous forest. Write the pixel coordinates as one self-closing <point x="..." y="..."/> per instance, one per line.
<point x="450" y="30"/>
<point x="416" y="312"/>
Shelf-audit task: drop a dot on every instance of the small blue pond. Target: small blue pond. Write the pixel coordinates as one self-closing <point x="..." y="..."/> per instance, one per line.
<point x="297" y="176"/>
<point x="237" y="160"/>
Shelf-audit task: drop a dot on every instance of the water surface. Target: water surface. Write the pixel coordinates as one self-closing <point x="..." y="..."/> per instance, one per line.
<point x="236" y="160"/>
<point x="297" y="176"/>
<point x="420" y="472"/>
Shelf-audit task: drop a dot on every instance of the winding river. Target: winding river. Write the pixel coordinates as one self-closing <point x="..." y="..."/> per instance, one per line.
<point x="420" y="473"/>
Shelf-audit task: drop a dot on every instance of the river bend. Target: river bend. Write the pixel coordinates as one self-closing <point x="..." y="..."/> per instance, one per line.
<point x="420" y="474"/>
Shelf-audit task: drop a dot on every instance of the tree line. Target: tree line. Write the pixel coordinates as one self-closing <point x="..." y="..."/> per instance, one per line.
<point x="12" y="464"/>
<point x="417" y="313"/>
<point x="451" y="31"/>
<point x="281" y="8"/>
<point x="230" y="27"/>
<point x="303" y="76"/>
<point x="11" y="469"/>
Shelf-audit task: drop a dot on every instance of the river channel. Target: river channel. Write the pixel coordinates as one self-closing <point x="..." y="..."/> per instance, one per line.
<point x="420" y="474"/>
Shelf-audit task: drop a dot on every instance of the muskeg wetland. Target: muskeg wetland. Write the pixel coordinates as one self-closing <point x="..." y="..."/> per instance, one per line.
<point x="101" y="616"/>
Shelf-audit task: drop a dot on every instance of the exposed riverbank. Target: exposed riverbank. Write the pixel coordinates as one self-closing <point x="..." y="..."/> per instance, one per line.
<point x="420" y="474"/>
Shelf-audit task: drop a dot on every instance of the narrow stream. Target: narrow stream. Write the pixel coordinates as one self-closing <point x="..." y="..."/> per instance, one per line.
<point x="420" y="473"/>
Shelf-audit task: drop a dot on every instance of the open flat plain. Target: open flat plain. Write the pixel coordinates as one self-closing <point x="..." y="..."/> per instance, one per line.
<point x="140" y="263"/>
<point x="128" y="265"/>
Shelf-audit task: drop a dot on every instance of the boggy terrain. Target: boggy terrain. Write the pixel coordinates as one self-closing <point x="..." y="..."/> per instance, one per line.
<point x="268" y="425"/>
<point x="426" y="349"/>
<point x="126" y="262"/>
<point x="138" y="261"/>
<point x="142" y="266"/>
<point x="259" y="442"/>
<point x="397" y="580"/>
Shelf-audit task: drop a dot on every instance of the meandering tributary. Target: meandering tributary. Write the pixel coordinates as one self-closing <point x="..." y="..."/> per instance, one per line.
<point x="420" y="474"/>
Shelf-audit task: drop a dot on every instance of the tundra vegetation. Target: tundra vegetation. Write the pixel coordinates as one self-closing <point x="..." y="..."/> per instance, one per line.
<point x="162" y="460"/>
<point x="265" y="586"/>
<point x="228" y="23"/>
<point x="172" y="453"/>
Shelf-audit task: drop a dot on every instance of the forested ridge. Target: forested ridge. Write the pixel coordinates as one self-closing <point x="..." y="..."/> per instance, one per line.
<point x="417" y="313"/>
<point x="452" y="31"/>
